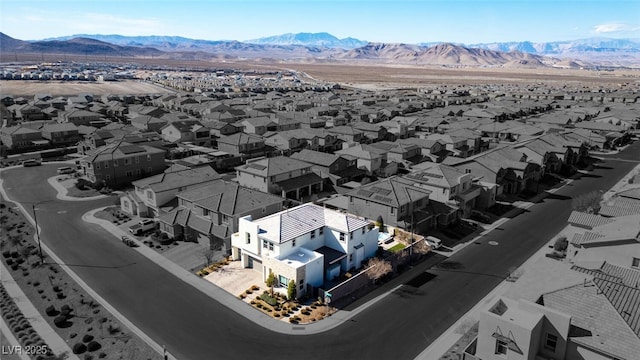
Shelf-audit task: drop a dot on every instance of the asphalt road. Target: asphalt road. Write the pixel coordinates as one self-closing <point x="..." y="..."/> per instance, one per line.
<point x="194" y="326"/>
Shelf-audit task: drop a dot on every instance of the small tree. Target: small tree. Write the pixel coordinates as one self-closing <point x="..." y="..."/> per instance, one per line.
<point x="561" y="244"/>
<point x="377" y="268"/>
<point x="291" y="290"/>
<point x="207" y="254"/>
<point x="271" y="282"/>
<point x="589" y="202"/>
<point x="380" y="223"/>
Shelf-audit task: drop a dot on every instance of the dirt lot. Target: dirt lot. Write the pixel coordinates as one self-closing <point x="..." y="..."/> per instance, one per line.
<point x="72" y="88"/>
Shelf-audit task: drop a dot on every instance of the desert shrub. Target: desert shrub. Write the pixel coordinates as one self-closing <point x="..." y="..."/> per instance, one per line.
<point x="268" y="299"/>
<point x="51" y="310"/>
<point x="79" y="348"/>
<point x="61" y="321"/>
<point x="86" y="338"/>
<point x="94" y="346"/>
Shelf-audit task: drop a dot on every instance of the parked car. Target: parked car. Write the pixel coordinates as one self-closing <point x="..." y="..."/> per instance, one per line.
<point x="65" y="170"/>
<point x="142" y="226"/>
<point x="31" y="162"/>
<point x="433" y="241"/>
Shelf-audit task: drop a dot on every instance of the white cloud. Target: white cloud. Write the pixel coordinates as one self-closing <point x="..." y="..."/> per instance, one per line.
<point x="615" y="28"/>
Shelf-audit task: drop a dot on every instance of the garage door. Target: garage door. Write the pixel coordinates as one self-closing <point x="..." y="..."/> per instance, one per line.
<point x="255" y="264"/>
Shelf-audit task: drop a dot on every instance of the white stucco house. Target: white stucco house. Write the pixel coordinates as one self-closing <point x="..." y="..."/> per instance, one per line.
<point x="307" y="244"/>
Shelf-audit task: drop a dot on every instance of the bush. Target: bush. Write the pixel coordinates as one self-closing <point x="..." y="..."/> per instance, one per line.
<point x="61" y="321"/>
<point x="79" y="348"/>
<point x="94" y="346"/>
<point x="51" y="311"/>
<point x="268" y="299"/>
<point x="561" y="244"/>
<point x="87" y="338"/>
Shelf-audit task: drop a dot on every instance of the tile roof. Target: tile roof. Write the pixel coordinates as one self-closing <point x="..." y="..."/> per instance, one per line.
<point x="394" y="191"/>
<point x="610" y="272"/>
<point x="228" y="198"/>
<point x="175" y="179"/>
<point x="289" y="224"/>
<point x="315" y="157"/>
<point x="273" y="166"/>
<point x="438" y="175"/>
<point x="591" y="310"/>
<point x="241" y="138"/>
<point x="586" y="220"/>
<point x="626" y="301"/>
<point x="631" y="193"/>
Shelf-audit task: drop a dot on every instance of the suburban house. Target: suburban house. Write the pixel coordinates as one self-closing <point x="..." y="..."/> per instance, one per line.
<point x="148" y="123"/>
<point x="348" y="134"/>
<point x="242" y="144"/>
<point x="614" y="240"/>
<point x="334" y="169"/>
<point x="448" y="185"/>
<point x="20" y="137"/>
<point x="120" y="163"/>
<point x="397" y="201"/>
<point x="399" y="152"/>
<point x="369" y="159"/>
<point x="210" y="213"/>
<point x="307" y="244"/>
<point x="153" y="192"/>
<point x="434" y="150"/>
<point x="79" y="117"/>
<point x="280" y="175"/>
<point x="61" y="134"/>
<point x="595" y="319"/>
<point x="457" y="145"/>
<point x="186" y="131"/>
<point x="259" y="125"/>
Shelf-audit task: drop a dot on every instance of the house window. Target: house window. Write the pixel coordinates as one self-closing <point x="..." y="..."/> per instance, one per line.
<point x="392" y="210"/>
<point x="350" y="257"/>
<point x="248" y="238"/>
<point x="341" y="236"/>
<point x="321" y="231"/>
<point x="313" y="234"/>
<point x="138" y="172"/>
<point x="551" y="342"/>
<point x="635" y="262"/>
<point x="362" y="231"/>
<point x="501" y="347"/>
<point x="127" y="161"/>
<point x="129" y="173"/>
<point x="106" y="164"/>
<point x="264" y="210"/>
<point x="271" y="246"/>
<point x="115" y="162"/>
<point x="107" y="177"/>
<point x="264" y="243"/>
<point x="137" y="159"/>
<point x="148" y="157"/>
<point x="293" y="243"/>
<point x="97" y="165"/>
<point x="205" y="212"/>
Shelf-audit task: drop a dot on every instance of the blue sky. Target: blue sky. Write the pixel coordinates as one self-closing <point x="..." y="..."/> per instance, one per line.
<point x="407" y="21"/>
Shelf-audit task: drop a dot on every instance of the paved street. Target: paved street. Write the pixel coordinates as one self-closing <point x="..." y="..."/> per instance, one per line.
<point x="194" y="326"/>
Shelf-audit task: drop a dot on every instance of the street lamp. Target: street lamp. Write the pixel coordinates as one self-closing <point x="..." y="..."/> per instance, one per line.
<point x="35" y="219"/>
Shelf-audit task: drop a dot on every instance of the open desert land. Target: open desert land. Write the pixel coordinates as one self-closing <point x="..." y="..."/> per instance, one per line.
<point x="72" y="88"/>
<point x="375" y="76"/>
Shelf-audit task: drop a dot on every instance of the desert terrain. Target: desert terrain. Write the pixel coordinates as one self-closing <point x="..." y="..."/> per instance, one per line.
<point x="72" y="88"/>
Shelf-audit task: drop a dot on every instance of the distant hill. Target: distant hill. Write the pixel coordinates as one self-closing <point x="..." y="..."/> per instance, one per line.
<point x="323" y="47"/>
<point x="79" y="46"/>
<point x="322" y="40"/>
<point x="442" y="54"/>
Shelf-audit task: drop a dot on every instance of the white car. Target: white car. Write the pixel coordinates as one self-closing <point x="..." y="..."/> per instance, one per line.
<point x="434" y="242"/>
<point x="66" y="170"/>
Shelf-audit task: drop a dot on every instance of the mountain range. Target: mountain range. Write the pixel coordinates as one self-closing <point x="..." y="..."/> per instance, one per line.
<point x="328" y="48"/>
